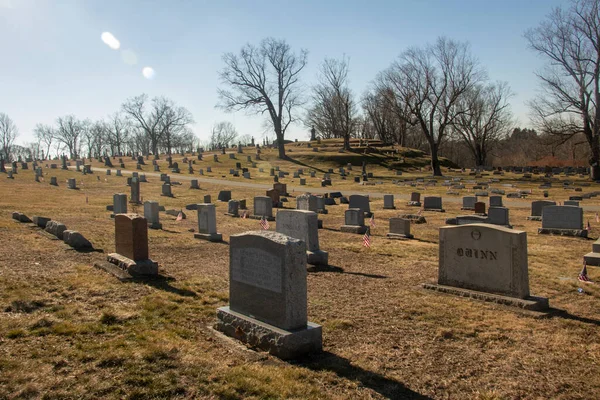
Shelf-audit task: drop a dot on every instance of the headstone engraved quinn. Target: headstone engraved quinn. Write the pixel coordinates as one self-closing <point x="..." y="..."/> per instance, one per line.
<point x="268" y="295"/>
<point x="486" y="262"/>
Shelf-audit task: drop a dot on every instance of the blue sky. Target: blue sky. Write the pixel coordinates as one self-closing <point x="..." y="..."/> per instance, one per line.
<point x="54" y="63"/>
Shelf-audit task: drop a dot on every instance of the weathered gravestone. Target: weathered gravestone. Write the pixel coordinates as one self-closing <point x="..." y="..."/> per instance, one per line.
<point x="486" y="262"/>
<point x="563" y="220"/>
<point x="135" y="191"/>
<point x="499" y="216"/>
<point x="53" y="181"/>
<point x="131" y="249"/>
<point x="194" y="184"/>
<point x="388" y="202"/>
<point x="152" y="215"/>
<point x="166" y="190"/>
<point x="119" y="204"/>
<point x="571" y="203"/>
<point x="361" y="202"/>
<point x="536" y="209"/>
<point x="479" y="208"/>
<point x="496" y="201"/>
<point x="263" y="207"/>
<point x="224" y="195"/>
<point x="433" y="203"/>
<point x="303" y="225"/>
<point x="354" y="221"/>
<point x="268" y="295"/>
<point x="72" y="183"/>
<point x="207" y="223"/>
<point x="233" y="207"/>
<point x="399" y="229"/>
<point x="468" y="202"/>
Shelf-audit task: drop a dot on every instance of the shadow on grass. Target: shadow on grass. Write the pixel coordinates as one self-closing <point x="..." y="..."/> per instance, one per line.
<point x="556" y="313"/>
<point x="340" y="270"/>
<point x="389" y="388"/>
<point x="88" y="250"/>
<point x="162" y="282"/>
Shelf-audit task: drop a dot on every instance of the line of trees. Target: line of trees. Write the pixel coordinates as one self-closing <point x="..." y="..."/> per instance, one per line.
<point x="436" y="97"/>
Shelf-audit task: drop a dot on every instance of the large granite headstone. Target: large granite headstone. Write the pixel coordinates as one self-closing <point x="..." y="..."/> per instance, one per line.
<point x="268" y="295"/>
<point x="207" y="223"/>
<point x="486" y="262"/>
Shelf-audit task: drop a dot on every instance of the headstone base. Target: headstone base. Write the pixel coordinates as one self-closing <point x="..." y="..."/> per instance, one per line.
<point x="467" y="209"/>
<point x="260" y="217"/>
<point x="155" y="225"/>
<point x="414" y="203"/>
<point x="389" y="208"/>
<point x="531" y="303"/>
<point x="211" y="237"/>
<point x="399" y="236"/>
<point x="283" y="344"/>
<point x="318" y="257"/>
<point x="434" y="209"/>
<point x="319" y="224"/>
<point x="564" y="232"/>
<point x="534" y="218"/>
<point x="129" y="267"/>
<point x="232" y="215"/>
<point x="353" y="228"/>
<point x="592" y="259"/>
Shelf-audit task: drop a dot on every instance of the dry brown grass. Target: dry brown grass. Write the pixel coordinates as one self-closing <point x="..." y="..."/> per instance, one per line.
<point x="68" y="330"/>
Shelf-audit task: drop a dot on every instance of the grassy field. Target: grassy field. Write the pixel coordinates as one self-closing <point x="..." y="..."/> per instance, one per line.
<point x="68" y="330"/>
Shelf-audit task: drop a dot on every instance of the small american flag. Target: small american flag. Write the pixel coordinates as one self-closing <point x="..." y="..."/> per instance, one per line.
<point x="588" y="226"/>
<point x="245" y="214"/>
<point x="367" y="239"/>
<point x="583" y="277"/>
<point x="372" y="221"/>
<point x="179" y="216"/>
<point x="264" y="224"/>
<point x="597" y="218"/>
<point x="420" y="212"/>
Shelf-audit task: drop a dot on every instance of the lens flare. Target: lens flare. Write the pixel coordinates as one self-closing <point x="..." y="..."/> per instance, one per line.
<point x="129" y="57"/>
<point x="110" y="40"/>
<point x="148" y="72"/>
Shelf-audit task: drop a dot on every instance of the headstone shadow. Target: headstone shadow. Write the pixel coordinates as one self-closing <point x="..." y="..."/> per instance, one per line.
<point x="389" y="388"/>
<point x="339" y="270"/>
<point x="162" y="282"/>
<point x="556" y="313"/>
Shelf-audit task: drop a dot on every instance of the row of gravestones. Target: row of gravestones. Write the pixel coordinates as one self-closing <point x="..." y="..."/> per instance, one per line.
<point x="268" y="277"/>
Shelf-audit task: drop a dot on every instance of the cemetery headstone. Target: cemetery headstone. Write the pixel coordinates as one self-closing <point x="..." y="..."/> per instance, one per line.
<point x="268" y="295"/>
<point x="207" y="223"/>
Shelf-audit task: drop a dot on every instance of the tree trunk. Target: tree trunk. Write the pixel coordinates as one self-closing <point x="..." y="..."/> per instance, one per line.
<point x="595" y="160"/>
<point x="347" y="142"/>
<point x="435" y="162"/>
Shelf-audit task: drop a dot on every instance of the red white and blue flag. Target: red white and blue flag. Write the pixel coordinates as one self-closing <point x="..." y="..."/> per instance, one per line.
<point x="179" y="216"/>
<point x="588" y="227"/>
<point x="367" y="238"/>
<point x="583" y="276"/>
<point x="264" y="224"/>
<point x="372" y="221"/>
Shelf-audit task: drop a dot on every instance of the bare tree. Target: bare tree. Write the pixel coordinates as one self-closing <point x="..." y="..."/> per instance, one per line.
<point x="568" y="104"/>
<point x="147" y="118"/>
<point x="117" y="132"/>
<point x="387" y="118"/>
<point x="95" y="138"/>
<point x="8" y="134"/>
<point x="69" y="132"/>
<point x="264" y="79"/>
<point x="485" y="120"/>
<point x="174" y="124"/>
<point x="430" y="82"/>
<point x="333" y="112"/>
<point x="45" y="134"/>
<point x="221" y="134"/>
